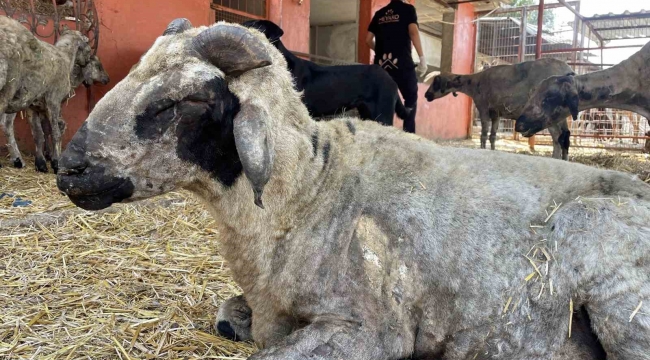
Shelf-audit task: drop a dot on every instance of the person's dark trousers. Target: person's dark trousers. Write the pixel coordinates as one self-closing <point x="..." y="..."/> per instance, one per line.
<point x="407" y="82"/>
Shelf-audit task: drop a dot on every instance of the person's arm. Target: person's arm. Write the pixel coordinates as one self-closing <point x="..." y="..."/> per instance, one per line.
<point x="414" y="33"/>
<point x="370" y="40"/>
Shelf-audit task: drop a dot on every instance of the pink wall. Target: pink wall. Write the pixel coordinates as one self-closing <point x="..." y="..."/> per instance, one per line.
<point x="293" y="18"/>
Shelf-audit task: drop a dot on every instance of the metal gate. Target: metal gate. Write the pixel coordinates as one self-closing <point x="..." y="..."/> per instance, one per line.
<point x="509" y="36"/>
<point x="239" y="11"/>
<point x="80" y="15"/>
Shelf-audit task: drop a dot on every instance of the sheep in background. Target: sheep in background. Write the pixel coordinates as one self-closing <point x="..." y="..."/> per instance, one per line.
<point x="92" y="72"/>
<point x="353" y="240"/>
<point x="502" y="91"/>
<point x="33" y="71"/>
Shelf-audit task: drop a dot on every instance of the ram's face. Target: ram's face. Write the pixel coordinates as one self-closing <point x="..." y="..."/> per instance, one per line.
<point x="168" y="123"/>
<point x="551" y="102"/>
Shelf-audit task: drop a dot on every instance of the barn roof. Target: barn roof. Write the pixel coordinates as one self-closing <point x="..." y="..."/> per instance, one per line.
<point x="627" y="25"/>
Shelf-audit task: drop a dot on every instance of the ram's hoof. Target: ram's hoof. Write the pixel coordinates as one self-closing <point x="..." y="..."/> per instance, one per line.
<point x="41" y="165"/>
<point x="225" y="330"/>
<point x="55" y="166"/>
<point x="18" y="164"/>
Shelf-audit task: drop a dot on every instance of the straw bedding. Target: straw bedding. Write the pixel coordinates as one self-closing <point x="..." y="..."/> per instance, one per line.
<point x="138" y="281"/>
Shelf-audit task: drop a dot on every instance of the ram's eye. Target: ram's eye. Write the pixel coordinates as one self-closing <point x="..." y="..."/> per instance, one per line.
<point x="156" y="119"/>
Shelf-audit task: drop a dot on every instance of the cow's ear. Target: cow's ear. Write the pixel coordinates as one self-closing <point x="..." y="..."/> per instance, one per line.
<point x="436" y="84"/>
<point x="570" y="95"/>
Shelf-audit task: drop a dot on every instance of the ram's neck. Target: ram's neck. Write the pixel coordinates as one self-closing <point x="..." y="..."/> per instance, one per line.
<point x="68" y="48"/>
<point x="250" y="236"/>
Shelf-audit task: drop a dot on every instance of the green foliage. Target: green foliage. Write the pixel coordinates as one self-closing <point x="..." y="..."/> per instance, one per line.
<point x="549" y="16"/>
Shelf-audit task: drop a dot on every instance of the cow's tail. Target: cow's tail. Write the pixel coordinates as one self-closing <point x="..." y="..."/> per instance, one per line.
<point x="400" y="110"/>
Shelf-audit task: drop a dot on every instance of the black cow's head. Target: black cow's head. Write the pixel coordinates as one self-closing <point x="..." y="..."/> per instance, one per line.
<point x="268" y="28"/>
<point x="551" y="102"/>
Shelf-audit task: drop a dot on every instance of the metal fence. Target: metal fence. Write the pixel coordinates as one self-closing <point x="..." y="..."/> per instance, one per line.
<point x="509" y="37"/>
<point x="239" y="11"/>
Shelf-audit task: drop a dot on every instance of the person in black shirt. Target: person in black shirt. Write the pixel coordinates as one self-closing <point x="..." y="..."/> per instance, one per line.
<point x="390" y="34"/>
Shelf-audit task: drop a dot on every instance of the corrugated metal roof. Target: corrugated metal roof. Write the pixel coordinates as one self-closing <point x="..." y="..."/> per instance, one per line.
<point x="627" y="25"/>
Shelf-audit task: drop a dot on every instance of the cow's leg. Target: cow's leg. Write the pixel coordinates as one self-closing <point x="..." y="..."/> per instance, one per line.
<point x="327" y="340"/>
<point x="494" y="118"/>
<point x="39" y="139"/>
<point x="53" y="113"/>
<point x="8" y="128"/>
<point x="485" y="123"/>
<point x="234" y="319"/>
<point x="555" y="132"/>
<point x="561" y="140"/>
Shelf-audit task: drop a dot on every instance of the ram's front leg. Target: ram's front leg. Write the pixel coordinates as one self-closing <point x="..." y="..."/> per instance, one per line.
<point x="327" y="340"/>
<point x="7" y="124"/>
<point x="39" y="139"/>
<point x="53" y="113"/>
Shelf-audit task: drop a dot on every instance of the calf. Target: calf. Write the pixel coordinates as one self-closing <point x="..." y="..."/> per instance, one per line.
<point x="330" y="90"/>
<point x="625" y="86"/>
<point x="502" y="91"/>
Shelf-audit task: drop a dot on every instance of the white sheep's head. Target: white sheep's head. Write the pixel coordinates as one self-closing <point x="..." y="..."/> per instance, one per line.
<point x="549" y="103"/>
<point x="90" y="74"/>
<point x="173" y="121"/>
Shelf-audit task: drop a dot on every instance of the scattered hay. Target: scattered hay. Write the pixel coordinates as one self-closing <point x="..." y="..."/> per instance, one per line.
<point x="638" y="164"/>
<point x="137" y="281"/>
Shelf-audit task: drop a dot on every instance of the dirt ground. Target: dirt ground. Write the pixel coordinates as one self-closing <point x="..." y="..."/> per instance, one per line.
<point x="135" y="281"/>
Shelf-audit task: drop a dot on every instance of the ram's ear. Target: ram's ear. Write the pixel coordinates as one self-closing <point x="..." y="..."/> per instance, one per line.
<point x="570" y="95"/>
<point x="233" y="49"/>
<point x="254" y="147"/>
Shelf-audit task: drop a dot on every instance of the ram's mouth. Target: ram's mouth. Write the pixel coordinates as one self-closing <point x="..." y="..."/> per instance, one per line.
<point x="95" y="191"/>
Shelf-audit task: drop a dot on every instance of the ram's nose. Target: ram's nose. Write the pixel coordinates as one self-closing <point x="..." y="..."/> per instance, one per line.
<point x="74" y="160"/>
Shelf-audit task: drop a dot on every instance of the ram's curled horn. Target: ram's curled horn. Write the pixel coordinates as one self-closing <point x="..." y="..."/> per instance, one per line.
<point x="177" y="26"/>
<point x="233" y="49"/>
<point x="253" y="146"/>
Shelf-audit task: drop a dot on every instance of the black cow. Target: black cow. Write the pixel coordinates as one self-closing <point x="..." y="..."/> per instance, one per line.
<point x="331" y="90"/>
